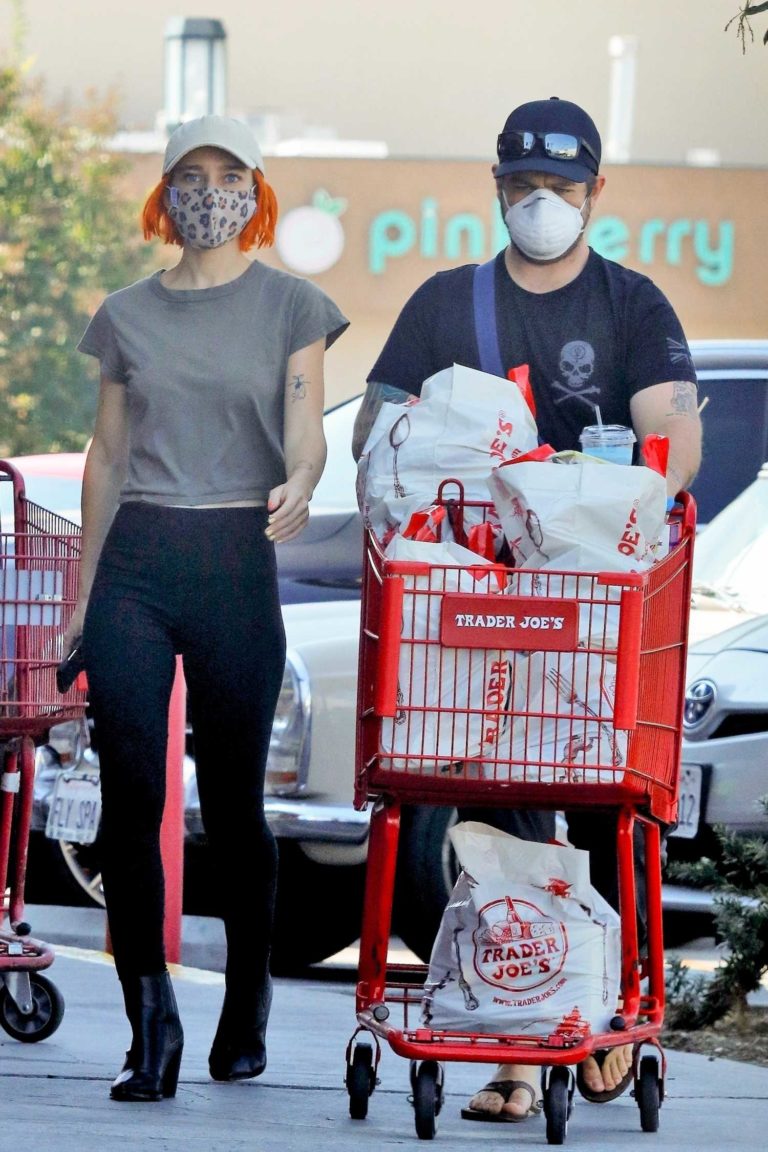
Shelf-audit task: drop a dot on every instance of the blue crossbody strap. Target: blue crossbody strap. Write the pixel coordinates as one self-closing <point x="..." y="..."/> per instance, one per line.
<point x="484" y="301"/>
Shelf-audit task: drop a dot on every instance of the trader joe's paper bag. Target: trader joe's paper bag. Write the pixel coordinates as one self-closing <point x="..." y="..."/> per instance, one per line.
<point x="577" y="514"/>
<point x="443" y="692"/>
<point x="526" y="945"/>
<point x="465" y="423"/>
<point x="562" y="726"/>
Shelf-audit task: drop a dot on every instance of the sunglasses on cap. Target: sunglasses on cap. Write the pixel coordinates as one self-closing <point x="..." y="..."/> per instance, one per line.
<point x="513" y="145"/>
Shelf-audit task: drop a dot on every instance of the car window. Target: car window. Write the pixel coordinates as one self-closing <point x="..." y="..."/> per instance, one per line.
<point x="735" y="428"/>
<point x="731" y="554"/>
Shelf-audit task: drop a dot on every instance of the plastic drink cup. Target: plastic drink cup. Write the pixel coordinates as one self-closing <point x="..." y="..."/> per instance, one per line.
<point x="611" y="442"/>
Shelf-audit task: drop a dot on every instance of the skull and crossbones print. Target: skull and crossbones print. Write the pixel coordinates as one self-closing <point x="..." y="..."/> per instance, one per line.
<point x="577" y="366"/>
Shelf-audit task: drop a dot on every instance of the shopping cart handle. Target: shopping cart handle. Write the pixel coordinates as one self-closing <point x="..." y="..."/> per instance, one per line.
<point x="390" y="627"/>
<point x="628" y="662"/>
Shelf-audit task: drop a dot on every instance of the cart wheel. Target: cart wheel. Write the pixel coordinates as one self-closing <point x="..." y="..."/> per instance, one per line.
<point x="427" y="1098"/>
<point x="558" y="1100"/>
<point x="360" y="1080"/>
<point x="42" y="1021"/>
<point x="648" y="1094"/>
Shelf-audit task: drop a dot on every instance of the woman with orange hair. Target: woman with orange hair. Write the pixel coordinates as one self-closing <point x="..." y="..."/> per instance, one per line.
<point x="207" y="447"/>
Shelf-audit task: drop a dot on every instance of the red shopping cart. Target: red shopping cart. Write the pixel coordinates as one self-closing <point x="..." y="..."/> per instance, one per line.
<point x="424" y="640"/>
<point x="38" y="588"/>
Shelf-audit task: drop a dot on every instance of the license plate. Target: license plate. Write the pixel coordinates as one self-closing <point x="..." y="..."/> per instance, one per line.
<point x="75" y="808"/>
<point x="689" y="806"/>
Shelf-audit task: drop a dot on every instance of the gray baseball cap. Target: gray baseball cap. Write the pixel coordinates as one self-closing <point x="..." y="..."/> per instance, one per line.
<point x="213" y="132"/>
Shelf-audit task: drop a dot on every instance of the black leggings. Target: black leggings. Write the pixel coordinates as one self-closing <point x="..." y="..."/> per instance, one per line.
<point x="202" y="583"/>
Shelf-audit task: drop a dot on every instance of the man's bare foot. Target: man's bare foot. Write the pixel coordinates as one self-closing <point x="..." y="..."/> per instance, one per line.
<point x="522" y="1100"/>
<point x="615" y="1068"/>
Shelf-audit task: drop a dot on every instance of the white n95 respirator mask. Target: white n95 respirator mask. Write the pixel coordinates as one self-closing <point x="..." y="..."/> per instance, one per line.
<point x="543" y="225"/>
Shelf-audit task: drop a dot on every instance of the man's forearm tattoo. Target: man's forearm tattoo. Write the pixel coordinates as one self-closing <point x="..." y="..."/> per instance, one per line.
<point x="394" y="395"/>
<point x="298" y="387"/>
<point x="683" y="398"/>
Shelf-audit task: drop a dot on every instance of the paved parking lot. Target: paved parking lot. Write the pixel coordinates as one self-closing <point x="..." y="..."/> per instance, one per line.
<point x="57" y="1091"/>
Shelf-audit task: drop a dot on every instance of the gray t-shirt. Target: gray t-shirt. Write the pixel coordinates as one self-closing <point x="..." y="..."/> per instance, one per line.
<point x="205" y="373"/>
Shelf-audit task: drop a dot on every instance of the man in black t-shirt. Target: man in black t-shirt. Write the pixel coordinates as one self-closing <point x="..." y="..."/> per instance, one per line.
<point x="595" y="335"/>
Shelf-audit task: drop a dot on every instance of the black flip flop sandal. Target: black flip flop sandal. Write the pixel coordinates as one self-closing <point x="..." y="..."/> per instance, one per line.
<point x="607" y="1095"/>
<point x="504" y="1088"/>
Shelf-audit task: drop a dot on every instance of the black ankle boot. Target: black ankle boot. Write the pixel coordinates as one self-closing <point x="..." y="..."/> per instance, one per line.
<point x="151" y="1069"/>
<point x="239" y="1050"/>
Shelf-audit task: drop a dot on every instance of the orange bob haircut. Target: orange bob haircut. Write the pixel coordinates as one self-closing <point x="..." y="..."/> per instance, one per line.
<point x="259" y="232"/>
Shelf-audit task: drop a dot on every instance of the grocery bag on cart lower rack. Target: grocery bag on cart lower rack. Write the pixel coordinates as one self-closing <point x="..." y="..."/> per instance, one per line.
<point x="444" y="694"/>
<point x="526" y="944"/>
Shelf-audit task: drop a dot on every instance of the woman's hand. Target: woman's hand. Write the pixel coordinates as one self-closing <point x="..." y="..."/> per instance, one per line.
<point x="74" y="631"/>
<point x="288" y="507"/>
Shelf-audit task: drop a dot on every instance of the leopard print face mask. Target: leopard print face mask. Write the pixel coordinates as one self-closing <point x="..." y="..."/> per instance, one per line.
<point x="209" y="217"/>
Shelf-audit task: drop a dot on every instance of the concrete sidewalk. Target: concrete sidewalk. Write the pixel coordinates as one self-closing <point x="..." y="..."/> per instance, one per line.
<point x="57" y="1092"/>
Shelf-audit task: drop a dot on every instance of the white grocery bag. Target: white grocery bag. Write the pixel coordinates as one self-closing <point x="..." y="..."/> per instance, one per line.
<point x="443" y="693"/>
<point x="526" y="945"/>
<point x="562" y="727"/>
<point x="579" y="514"/>
<point x="465" y="423"/>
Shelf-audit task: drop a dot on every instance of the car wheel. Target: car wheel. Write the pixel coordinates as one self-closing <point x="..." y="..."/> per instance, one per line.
<point x="60" y="872"/>
<point x="426" y="872"/>
<point x="319" y="910"/>
<point x="680" y="925"/>
<point x="683" y="927"/>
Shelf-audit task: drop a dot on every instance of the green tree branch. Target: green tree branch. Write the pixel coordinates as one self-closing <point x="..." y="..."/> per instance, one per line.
<point x="743" y="23"/>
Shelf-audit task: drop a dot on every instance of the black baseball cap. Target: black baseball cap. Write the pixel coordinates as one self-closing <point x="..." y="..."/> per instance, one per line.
<point x="554" y="136"/>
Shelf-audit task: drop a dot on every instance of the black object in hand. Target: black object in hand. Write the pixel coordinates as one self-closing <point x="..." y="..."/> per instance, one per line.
<point x="69" y="669"/>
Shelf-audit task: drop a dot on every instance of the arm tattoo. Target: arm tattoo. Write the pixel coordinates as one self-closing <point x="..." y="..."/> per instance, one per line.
<point x="375" y="395"/>
<point x="298" y="387"/>
<point x="683" y="398"/>
<point x="394" y="395"/>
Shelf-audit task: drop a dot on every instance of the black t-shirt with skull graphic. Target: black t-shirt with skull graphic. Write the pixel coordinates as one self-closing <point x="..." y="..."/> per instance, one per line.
<point x="599" y="340"/>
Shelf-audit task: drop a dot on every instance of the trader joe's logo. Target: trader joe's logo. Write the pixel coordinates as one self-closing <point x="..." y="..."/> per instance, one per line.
<point x="310" y="239"/>
<point x="516" y="947"/>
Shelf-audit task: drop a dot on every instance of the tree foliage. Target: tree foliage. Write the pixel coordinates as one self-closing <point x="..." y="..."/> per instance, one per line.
<point x="67" y="236"/>
<point x="744" y="24"/>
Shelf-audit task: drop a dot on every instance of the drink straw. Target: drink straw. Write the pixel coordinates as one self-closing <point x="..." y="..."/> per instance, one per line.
<point x="599" y="417"/>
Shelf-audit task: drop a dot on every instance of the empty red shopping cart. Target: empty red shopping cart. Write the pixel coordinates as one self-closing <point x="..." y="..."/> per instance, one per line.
<point x="39" y="558"/>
